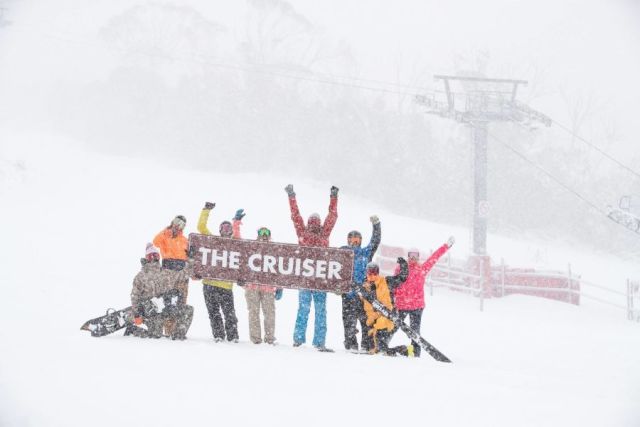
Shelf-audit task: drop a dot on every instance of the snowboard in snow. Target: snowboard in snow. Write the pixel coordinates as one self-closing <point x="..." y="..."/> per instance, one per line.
<point x="112" y="321"/>
<point x="115" y="320"/>
<point x="395" y="318"/>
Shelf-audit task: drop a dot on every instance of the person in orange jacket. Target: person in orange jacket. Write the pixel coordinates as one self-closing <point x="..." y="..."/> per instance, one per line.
<point x="380" y="288"/>
<point x="174" y="249"/>
<point x="173" y="245"/>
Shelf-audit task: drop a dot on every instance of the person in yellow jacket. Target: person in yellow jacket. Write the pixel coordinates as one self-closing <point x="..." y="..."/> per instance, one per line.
<point x="379" y="287"/>
<point x="218" y="294"/>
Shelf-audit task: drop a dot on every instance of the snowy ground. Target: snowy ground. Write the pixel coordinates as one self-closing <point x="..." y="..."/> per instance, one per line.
<point x="75" y="224"/>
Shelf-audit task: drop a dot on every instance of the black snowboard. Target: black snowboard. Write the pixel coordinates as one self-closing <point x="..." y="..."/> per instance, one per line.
<point x="380" y="308"/>
<point x="109" y="323"/>
<point x="115" y="320"/>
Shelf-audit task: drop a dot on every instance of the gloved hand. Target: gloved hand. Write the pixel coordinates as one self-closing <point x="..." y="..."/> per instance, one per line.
<point x="374" y="219"/>
<point x="451" y="241"/>
<point x="209" y="205"/>
<point x="239" y="215"/>
<point x="137" y="321"/>
<point x="289" y="190"/>
<point x="334" y="191"/>
<point x="278" y="294"/>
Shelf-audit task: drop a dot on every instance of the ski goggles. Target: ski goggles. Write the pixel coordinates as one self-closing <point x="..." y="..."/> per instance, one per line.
<point x="179" y="222"/>
<point x="415" y="255"/>
<point x="264" y="232"/>
<point x="153" y="256"/>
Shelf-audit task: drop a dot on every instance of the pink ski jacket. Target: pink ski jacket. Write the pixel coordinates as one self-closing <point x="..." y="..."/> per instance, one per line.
<point x="410" y="295"/>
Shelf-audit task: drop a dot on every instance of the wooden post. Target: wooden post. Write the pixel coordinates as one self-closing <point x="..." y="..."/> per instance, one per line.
<point x="570" y="291"/>
<point x="504" y="270"/>
<point x="629" y="301"/>
<point x="482" y="279"/>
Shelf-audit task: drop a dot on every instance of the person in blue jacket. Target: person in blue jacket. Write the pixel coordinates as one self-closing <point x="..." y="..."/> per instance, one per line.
<point x="352" y="308"/>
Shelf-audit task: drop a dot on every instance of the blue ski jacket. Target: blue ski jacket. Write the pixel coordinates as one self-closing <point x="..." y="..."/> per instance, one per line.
<point x="362" y="256"/>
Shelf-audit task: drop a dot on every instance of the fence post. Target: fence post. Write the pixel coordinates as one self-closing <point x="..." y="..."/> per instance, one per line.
<point x="569" y="289"/>
<point x="503" y="274"/>
<point x="449" y="269"/>
<point x="629" y="301"/>
<point x="482" y="278"/>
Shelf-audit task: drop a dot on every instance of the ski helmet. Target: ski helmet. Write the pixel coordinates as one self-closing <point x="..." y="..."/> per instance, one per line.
<point x="179" y="221"/>
<point x="354" y="234"/>
<point x="226" y="229"/>
<point x="373" y="268"/>
<point x="314" y="219"/>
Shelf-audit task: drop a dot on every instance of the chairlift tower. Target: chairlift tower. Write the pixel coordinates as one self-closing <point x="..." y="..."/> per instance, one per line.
<point x="478" y="102"/>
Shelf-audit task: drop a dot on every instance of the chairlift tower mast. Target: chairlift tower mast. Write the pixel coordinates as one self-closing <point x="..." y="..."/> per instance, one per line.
<point x="485" y="101"/>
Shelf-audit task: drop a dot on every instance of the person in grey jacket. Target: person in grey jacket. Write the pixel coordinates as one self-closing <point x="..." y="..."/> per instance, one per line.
<point x="155" y="282"/>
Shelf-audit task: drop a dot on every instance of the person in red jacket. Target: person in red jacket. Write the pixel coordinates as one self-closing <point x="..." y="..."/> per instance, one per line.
<point x="315" y="233"/>
<point x="409" y="297"/>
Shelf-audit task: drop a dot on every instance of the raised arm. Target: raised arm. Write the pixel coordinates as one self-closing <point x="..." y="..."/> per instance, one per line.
<point x="431" y="261"/>
<point x="376" y="235"/>
<point x="394" y="281"/>
<point x="237" y="222"/>
<point x="298" y="222"/>
<point x="332" y="216"/>
<point x="204" y="219"/>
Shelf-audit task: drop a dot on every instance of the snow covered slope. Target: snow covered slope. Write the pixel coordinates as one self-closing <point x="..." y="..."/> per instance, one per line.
<point x="74" y="225"/>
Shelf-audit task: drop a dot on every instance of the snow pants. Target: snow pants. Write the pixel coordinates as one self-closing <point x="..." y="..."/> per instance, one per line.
<point x="266" y="300"/>
<point x="320" y="324"/>
<point x="352" y="313"/>
<point x="415" y="318"/>
<point x="174" y="267"/>
<point x="219" y="299"/>
<point x="181" y="317"/>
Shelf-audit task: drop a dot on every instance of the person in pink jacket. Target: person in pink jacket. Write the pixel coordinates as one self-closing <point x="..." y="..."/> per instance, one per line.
<point x="409" y="296"/>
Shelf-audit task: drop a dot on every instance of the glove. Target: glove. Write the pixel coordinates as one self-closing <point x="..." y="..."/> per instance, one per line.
<point x="239" y="215"/>
<point x="137" y="321"/>
<point x="334" y="191"/>
<point x="289" y="190"/>
<point x="451" y="241"/>
<point x="374" y="219"/>
<point x="278" y="294"/>
<point x="209" y="205"/>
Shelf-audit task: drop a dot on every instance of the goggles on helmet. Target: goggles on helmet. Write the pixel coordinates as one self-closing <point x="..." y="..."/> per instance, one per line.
<point x="179" y="222"/>
<point x="153" y="256"/>
<point x="264" y="232"/>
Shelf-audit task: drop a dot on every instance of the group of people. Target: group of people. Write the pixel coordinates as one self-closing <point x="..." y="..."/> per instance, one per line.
<point x="403" y="292"/>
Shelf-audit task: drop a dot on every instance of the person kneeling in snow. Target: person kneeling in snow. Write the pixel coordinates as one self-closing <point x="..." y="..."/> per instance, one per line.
<point x="381" y="328"/>
<point x="155" y="282"/>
